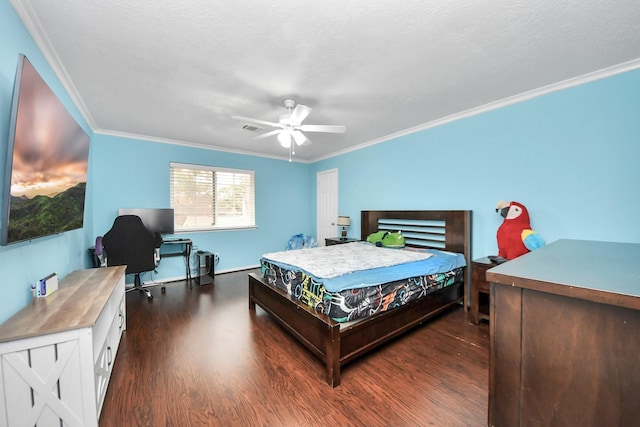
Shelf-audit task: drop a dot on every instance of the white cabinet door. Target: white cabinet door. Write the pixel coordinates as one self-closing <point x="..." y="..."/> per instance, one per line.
<point x="40" y="377"/>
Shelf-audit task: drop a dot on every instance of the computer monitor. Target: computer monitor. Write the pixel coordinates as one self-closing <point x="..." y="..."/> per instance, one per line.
<point x="156" y="220"/>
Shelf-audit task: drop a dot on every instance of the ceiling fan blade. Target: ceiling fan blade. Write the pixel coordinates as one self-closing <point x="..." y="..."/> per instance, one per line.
<point x="268" y="134"/>
<point x="261" y="122"/>
<point x="299" y="137"/>
<point x="324" y="128"/>
<point x="299" y="113"/>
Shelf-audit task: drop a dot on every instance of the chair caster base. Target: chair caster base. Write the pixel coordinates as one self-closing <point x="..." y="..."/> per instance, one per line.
<point x="147" y="292"/>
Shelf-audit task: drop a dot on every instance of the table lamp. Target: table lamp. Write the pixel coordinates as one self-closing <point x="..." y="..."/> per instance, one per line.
<point x="343" y="221"/>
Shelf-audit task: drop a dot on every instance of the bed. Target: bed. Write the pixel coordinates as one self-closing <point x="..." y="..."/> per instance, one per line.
<point x="336" y="343"/>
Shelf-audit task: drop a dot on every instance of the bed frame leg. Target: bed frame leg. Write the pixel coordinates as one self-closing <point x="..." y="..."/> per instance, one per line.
<point x="333" y="355"/>
<point x="252" y="303"/>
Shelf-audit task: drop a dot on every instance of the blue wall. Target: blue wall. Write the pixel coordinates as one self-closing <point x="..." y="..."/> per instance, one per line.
<point x="131" y="173"/>
<point x="22" y="264"/>
<point x="572" y="157"/>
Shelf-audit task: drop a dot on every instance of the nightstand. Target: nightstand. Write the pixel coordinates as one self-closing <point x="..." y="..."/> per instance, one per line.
<point x="338" y="241"/>
<point x="480" y="289"/>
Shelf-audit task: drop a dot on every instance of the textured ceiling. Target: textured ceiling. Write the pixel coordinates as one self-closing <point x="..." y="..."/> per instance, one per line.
<point x="178" y="70"/>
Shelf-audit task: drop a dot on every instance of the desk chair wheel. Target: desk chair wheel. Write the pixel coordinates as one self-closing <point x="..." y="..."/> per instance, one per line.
<point x="145" y="291"/>
<point x="137" y="285"/>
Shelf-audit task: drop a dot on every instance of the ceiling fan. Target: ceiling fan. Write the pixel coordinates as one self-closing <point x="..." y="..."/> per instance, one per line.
<point x="290" y="126"/>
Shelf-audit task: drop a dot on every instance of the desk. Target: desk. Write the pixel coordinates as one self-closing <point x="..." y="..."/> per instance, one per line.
<point x="169" y="248"/>
<point x="178" y="247"/>
<point x="564" y="336"/>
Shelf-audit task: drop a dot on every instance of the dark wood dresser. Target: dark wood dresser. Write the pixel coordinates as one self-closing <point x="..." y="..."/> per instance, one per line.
<point x="565" y="336"/>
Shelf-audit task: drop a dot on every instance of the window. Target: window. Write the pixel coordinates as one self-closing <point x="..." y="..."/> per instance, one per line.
<point x="208" y="198"/>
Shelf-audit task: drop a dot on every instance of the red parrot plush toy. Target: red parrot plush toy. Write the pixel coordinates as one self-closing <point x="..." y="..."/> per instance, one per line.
<point x="515" y="236"/>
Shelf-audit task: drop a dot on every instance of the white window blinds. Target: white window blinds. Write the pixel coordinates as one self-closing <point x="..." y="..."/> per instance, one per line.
<point x="209" y="198"/>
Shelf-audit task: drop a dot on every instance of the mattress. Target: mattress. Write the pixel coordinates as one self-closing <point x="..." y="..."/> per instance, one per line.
<point x="364" y="292"/>
<point x="362" y="264"/>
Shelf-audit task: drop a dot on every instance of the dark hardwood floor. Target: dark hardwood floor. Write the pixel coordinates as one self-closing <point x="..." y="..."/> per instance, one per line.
<point x="199" y="357"/>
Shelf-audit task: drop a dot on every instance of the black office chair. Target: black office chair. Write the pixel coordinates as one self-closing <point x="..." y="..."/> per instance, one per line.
<point x="130" y="243"/>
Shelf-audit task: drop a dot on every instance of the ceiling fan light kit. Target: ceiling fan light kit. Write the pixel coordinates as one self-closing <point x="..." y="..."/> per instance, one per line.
<point x="285" y="139"/>
<point x="291" y="127"/>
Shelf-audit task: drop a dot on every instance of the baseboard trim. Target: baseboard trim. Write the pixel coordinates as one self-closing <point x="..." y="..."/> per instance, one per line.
<point x="149" y="283"/>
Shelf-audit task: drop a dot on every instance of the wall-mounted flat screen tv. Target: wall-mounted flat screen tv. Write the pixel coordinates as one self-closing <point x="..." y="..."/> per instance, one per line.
<point x="47" y="155"/>
<point x="157" y="220"/>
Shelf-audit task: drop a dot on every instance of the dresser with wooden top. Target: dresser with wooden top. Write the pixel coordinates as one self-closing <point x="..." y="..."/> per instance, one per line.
<point x="564" y="344"/>
<point x="56" y="354"/>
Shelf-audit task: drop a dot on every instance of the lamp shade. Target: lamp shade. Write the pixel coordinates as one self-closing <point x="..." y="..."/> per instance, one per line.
<point x="343" y="221"/>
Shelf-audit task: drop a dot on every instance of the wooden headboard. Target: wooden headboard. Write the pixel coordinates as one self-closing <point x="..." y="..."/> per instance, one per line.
<point x="446" y="230"/>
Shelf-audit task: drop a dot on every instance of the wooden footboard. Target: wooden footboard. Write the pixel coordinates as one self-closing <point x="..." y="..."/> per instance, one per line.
<point x="334" y="345"/>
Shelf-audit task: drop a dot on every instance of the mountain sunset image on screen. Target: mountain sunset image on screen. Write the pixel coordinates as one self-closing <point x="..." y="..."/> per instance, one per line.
<point x="49" y="160"/>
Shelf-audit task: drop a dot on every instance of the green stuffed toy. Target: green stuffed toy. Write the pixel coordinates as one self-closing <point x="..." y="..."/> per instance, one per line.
<point x="387" y="239"/>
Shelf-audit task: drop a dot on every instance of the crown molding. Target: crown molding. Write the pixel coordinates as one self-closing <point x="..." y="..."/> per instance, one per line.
<point x="525" y="96"/>
<point x="194" y="145"/>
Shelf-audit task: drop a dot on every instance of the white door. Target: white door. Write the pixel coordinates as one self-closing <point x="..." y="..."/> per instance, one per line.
<point x="327" y="205"/>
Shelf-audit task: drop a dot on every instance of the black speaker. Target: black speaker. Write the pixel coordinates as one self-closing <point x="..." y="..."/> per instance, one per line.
<point x="206" y="268"/>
